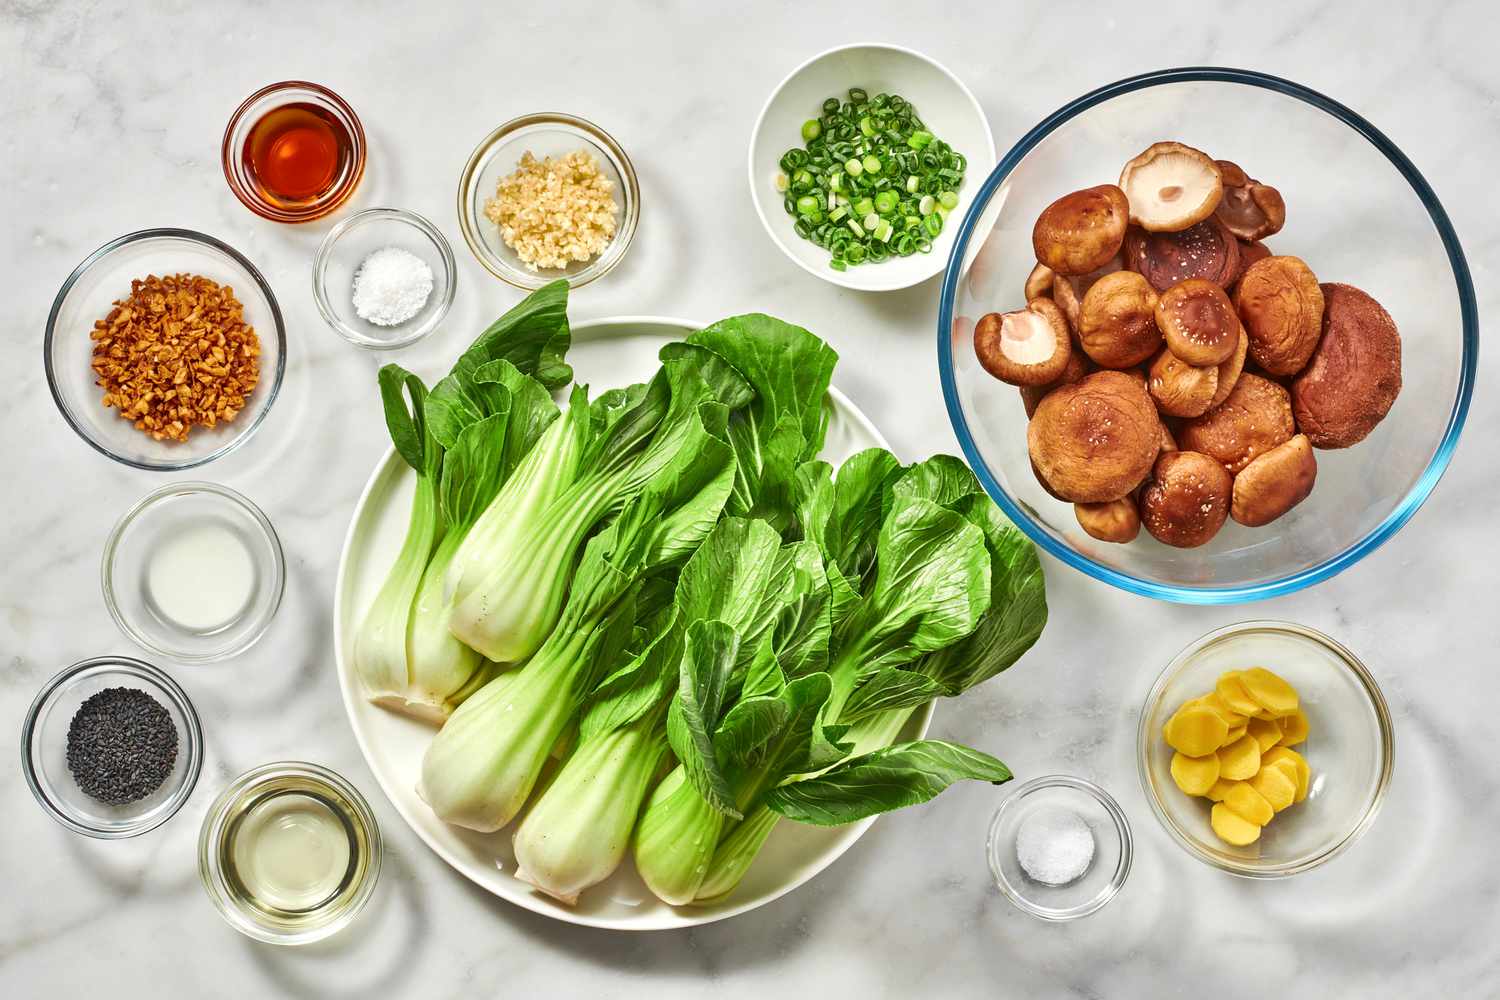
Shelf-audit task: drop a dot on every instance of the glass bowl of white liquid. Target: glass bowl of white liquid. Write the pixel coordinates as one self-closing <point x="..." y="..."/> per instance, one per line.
<point x="194" y="571"/>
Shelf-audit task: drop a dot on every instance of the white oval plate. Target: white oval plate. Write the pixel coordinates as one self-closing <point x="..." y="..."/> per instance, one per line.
<point x="608" y="352"/>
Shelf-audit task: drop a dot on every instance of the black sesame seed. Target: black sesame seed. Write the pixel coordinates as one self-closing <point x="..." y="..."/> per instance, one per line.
<point x="121" y="745"/>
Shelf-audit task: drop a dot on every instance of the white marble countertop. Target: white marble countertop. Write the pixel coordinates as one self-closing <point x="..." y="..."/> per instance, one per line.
<point x="110" y="119"/>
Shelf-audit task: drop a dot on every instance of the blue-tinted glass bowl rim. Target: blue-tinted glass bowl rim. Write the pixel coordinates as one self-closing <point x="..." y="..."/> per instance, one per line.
<point x="1237" y="593"/>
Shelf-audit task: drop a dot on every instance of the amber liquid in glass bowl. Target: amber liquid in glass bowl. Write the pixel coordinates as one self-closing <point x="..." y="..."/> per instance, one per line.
<point x="295" y="154"/>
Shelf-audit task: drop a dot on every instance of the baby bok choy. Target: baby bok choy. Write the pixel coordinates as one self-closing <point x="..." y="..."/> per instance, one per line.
<point x="742" y="582"/>
<point x="481" y="767"/>
<point x="638" y="437"/>
<point x="465" y="439"/>
<point x="885" y="694"/>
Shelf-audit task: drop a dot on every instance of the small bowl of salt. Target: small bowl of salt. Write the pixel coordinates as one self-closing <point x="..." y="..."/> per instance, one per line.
<point x="1059" y="847"/>
<point x="384" y="278"/>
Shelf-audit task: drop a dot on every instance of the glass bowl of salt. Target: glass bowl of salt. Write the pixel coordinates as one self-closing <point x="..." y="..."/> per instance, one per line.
<point x="1059" y="847"/>
<point x="384" y="278"/>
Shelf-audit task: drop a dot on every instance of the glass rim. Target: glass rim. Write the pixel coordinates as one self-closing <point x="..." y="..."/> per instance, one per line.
<point x="630" y="210"/>
<point x="191" y="236"/>
<point x="1233" y="593"/>
<point x="117" y="533"/>
<point x="229" y="157"/>
<point x="325" y="252"/>
<point x="191" y="743"/>
<point x="1122" y="829"/>
<point x="211" y="875"/>
<point x="1223" y="861"/>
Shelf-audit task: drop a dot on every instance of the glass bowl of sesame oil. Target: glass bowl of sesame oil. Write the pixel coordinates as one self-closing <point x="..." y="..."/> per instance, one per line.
<point x="289" y="853"/>
<point x="293" y="151"/>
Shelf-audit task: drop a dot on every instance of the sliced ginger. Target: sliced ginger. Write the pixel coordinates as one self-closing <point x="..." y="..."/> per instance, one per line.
<point x="1267" y="732"/>
<point x="1195" y="731"/>
<point x="1240" y="760"/>
<point x="1233" y="747"/>
<point x="1231" y="827"/>
<point x="1195" y="775"/>
<point x="1270" y="692"/>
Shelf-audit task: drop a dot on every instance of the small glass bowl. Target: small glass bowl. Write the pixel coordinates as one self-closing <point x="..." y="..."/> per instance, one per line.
<point x="143" y="565"/>
<point x="268" y="99"/>
<point x="1113" y="848"/>
<point x="498" y="154"/>
<point x="88" y="295"/>
<point x="345" y="248"/>
<point x="44" y="748"/>
<point x="265" y="921"/>
<point x="1350" y="747"/>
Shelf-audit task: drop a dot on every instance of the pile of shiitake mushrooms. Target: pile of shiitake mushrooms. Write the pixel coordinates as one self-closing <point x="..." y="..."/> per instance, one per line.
<point x="1175" y="370"/>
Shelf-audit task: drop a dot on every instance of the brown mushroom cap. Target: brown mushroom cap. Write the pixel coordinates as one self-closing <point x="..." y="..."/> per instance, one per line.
<point x="1281" y="305"/>
<point x="1094" y="440"/>
<point x="1229" y="371"/>
<point x="1181" y="389"/>
<point x="1117" y="325"/>
<point x="1080" y="232"/>
<point x="1207" y="250"/>
<point x="1068" y="290"/>
<point x="1171" y="186"/>
<point x="1168" y="442"/>
<point x="1186" y="500"/>
<point x="1039" y="282"/>
<point x="1250" y="209"/>
<point x="1274" y="483"/>
<point x="1111" y="521"/>
<point x="1199" y="322"/>
<point x="1255" y="417"/>
<point x="1030" y="346"/>
<point x="1249" y="254"/>
<point x="1077" y="367"/>
<point x="1355" y="373"/>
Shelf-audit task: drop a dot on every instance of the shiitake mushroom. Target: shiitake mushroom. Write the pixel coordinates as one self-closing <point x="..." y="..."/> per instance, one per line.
<point x="1250" y="209"/>
<point x="1199" y="322"/>
<point x="1171" y="186"/>
<point x="1274" y="482"/>
<point x="1181" y="389"/>
<point x="1230" y="370"/>
<point x="1081" y="231"/>
<point x="1029" y="346"/>
<point x="1112" y="521"/>
<point x="1039" y="282"/>
<point x="1255" y="417"/>
<point x="1117" y="324"/>
<point x="1031" y="395"/>
<point x="1069" y="290"/>
<point x="1354" y="376"/>
<point x="1205" y="250"/>
<point x="1281" y="306"/>
<point x="1185" y="502"/>
<point x="1094" y="440"/>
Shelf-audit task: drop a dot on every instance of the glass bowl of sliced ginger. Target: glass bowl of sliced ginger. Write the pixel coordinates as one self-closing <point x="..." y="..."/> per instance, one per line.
<point x="1265" y="749"/>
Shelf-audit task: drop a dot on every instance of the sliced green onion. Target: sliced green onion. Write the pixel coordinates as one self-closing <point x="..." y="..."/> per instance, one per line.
<point x="807" y="205"/>
<point x="837" y="263"/>
<point x="872" y="164"/>
<point x="855" y="229"/>
<point x="927" y="204"/>
<point x="780" y="180"/>
<point x="948" y="199"/>
<point x="857" y="95"/>
<point x="811" y="129"/>
<point x="863" y="206"/>
<point x="837" y="214"/>
<point x="919" y="139"/>
<point x="853" y="167"/>
<point x="933" y="224"/>
<point x="884" y="231"/>
<point x="885" y="202"/>
<point x="870" y="222"/>
<point x="913" y="183"/>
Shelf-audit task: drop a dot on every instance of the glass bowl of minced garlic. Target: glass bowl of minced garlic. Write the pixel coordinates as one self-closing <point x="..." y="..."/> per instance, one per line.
<point x="1265" y="749"/>
<point x="548" y="196"/>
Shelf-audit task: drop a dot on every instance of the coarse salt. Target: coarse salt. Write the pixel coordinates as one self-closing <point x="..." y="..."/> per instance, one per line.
<point x="391" y="286"/>
<point x="1054" y="846"/>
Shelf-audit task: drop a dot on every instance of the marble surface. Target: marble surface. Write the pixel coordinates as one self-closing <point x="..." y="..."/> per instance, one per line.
<point x="110" y="117"/>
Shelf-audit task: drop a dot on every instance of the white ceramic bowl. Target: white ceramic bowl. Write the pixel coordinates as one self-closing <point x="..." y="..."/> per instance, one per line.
<point x="944" y="104"/>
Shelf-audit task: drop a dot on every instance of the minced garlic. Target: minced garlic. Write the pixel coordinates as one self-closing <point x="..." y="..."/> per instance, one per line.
<point x="553" y="212"/>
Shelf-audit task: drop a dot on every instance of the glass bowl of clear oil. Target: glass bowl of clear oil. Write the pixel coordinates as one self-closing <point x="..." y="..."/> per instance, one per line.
<point x="289" y="853"/>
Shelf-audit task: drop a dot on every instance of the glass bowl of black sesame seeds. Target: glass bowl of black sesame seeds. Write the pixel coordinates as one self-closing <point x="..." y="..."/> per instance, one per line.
<point x="111" y="747"/>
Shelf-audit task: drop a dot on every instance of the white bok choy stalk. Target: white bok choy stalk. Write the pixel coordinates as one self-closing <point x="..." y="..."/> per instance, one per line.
<point x="464" y="439"/>
<point x="513" y="607"/>
<point x="740" y="582"/>
<point x="483" y="764"/>
<point x="884" y="698"/>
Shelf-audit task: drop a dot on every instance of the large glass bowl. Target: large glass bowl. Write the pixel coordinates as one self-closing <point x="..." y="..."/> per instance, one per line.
<point x="1357" y="211"/>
